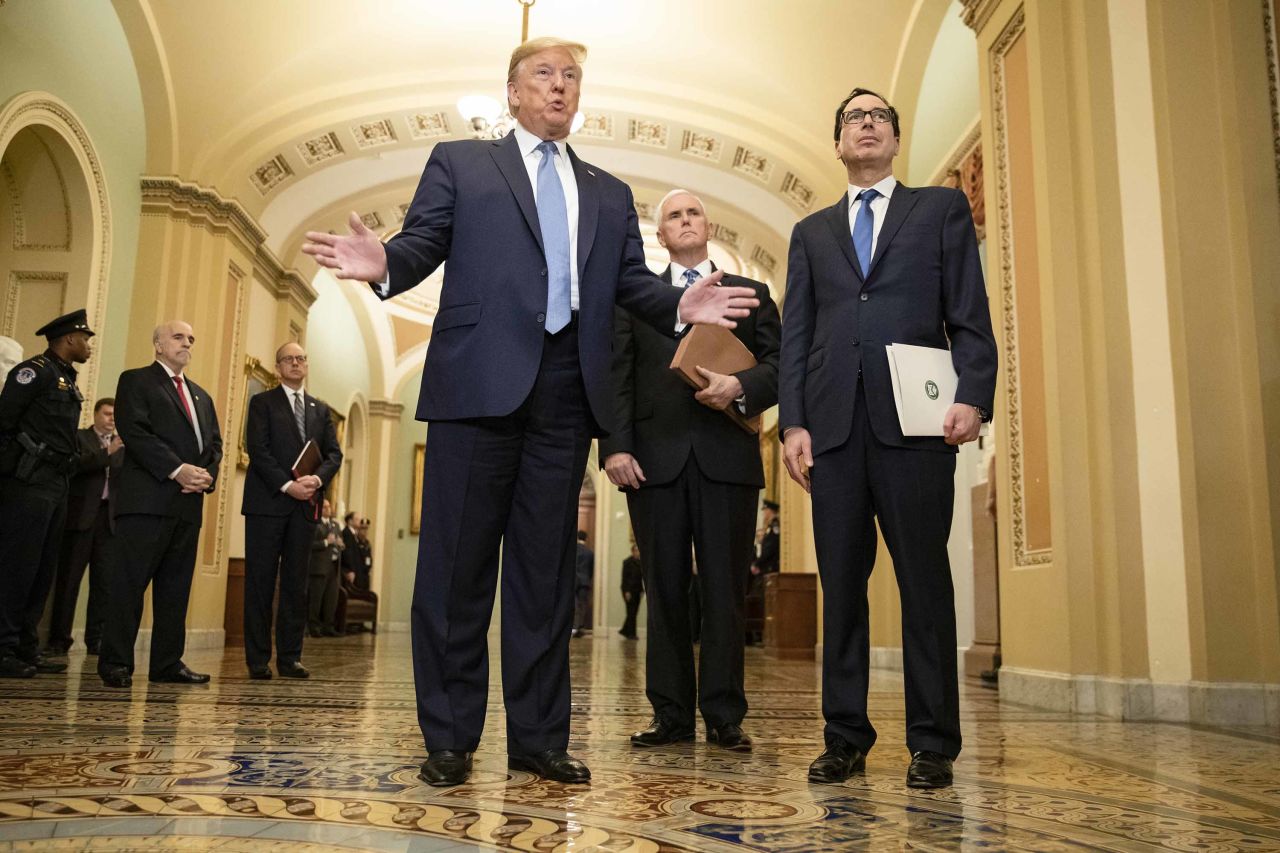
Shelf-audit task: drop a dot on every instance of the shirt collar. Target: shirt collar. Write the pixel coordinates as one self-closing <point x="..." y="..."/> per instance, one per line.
<point x="529" y="141"/>
<point x="302" y="390"/>
<point x="677" y="271"/>
<point x="168" y="371"/>
<point x="884" y="187"/>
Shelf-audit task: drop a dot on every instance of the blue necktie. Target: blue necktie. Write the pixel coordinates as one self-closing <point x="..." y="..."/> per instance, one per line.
<point x="863" y="228"/>
<point x="690" y="276"/>
<point x="553" y="218"/>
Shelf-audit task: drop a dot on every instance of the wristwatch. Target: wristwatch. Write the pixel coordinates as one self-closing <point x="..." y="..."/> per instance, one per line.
<point x="983" y="414"/>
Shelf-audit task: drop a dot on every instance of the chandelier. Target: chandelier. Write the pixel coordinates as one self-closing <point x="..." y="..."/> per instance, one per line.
<point x="490" y="118"/>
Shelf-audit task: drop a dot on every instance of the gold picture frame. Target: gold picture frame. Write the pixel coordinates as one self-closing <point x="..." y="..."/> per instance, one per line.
<point x="415" y="495"/>
<point x="257" y="378"/>
<point x="771" y="456"/>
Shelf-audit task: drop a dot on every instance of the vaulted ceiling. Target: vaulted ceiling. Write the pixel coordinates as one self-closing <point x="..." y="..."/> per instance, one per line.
<point x="305" y="109"/>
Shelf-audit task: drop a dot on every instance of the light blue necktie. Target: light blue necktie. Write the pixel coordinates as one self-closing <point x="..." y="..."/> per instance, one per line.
<point x="690" y="276"/>
<point x="863" y="228"/>
<point x="553" y="218"/>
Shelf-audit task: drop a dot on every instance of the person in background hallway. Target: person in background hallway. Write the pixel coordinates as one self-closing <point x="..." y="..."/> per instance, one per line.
<point x="765" y="563"/>
<point x="692" y="478"/>
<point x="10" y="355"/>
<point x="90" y="526"/>
<point x="357" y="581"/>
<point x="515" y="386"/>
<point x="584" y="570"/>
<point x="323" y="578"/>
<point x="886" y="264"/>
<point x="39" y="410"/>
<point x="632" y="591"/>
<point x="171" y="429"/>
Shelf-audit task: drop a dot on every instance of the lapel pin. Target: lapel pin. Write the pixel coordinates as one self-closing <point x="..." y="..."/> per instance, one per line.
<point x="591" y="173"/>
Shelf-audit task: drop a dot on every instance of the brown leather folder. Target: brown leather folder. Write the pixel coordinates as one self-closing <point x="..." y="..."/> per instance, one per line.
<point x="308" y="461"/>
<point x="716" y="349"/>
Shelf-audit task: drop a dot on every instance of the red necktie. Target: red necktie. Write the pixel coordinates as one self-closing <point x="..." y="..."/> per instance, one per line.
<point x="182" y="395"/>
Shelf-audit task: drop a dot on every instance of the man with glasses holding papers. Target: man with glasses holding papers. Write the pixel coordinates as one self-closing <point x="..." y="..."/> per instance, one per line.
<point x="886" y="265"/>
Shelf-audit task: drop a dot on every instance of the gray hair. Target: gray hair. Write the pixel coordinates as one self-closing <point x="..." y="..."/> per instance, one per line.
<point x="659" y="212"/>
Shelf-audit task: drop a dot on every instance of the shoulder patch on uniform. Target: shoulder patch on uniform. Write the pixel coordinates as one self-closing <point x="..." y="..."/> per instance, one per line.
<point x="24" y="376"/>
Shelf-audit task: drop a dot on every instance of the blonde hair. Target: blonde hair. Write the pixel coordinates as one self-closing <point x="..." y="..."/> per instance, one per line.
<point x="520" y="54"/>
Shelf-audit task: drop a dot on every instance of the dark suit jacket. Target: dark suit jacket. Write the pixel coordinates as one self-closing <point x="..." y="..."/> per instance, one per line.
<point x="632" y="576"/>
<point x="85" y="494"/>
<point x="355" y="557"/>
<point x="658" y="421"/>
<point x="767" y="562"/>
<point x="272" y="440"/>
<point x="474" y="207"/>
<point x="323" y="555"/>
<point x="584" y="567"/>
<point x="157" y="439"/>
<point x="924" y="287"/>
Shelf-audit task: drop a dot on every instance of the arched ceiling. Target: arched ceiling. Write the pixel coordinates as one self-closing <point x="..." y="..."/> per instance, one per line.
<point x="300" y="109"/>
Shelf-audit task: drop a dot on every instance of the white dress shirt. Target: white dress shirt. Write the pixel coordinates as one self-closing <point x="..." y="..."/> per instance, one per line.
<point x="677" y="278"/>
<point x="532" y="157"/>
<point x="191" y="403"/>
<point x="290" y="394"/>
<point x="879" y="206"/>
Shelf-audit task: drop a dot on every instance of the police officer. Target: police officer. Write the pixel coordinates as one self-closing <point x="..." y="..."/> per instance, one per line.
<point x="39" y="412"/>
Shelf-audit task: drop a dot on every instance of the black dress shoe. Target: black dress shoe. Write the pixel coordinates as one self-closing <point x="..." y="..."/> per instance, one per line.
<point x="838" y="762"/>
<point x="729" y="736"/>
<point x="929" y="770"/>
<point x="12" y="667"/>
<point x="662" y="732"/>
<point x="45" y="665"/>
<point x="445" y="767"/>
<point x="182" y="675"/>
<point x="262" y="673"/>
<point x="330" y="632"/>
<point x="292" y="669"/>
<point x="115" y="676"/>
<point x="555" y="765"/>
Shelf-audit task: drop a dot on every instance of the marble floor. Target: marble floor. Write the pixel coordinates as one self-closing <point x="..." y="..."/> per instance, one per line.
<point x="330" y="764"/>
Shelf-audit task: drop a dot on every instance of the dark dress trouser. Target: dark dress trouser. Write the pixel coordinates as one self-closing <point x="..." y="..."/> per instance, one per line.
<point x="511" y="481"/>
<point x="159" y="550"/>
<point x="81" y="549"/>
<point x="911" y="493"/>
<point x="662" y="517"/>
<point x="276" y="546"/>
<point x="32" y="518"/>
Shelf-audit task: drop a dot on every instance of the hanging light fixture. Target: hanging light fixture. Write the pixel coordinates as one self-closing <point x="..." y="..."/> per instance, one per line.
<point x="490" y="118"/>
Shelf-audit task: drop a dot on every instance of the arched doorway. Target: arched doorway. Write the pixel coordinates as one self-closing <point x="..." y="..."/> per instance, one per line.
<point x="54" y="223"/>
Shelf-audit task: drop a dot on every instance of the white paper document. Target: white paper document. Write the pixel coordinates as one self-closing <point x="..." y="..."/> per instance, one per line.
<point x="924" y="387"/>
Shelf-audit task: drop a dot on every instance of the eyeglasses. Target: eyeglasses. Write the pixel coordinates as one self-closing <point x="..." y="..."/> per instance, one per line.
<point x="292" y="359"/>
<point x="879" y="115"/>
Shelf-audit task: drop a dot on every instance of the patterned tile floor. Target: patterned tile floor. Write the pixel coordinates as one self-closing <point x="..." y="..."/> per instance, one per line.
<point x="330" y="765"/>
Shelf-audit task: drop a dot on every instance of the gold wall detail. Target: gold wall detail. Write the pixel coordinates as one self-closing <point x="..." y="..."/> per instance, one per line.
<point x="1023" y="552"/>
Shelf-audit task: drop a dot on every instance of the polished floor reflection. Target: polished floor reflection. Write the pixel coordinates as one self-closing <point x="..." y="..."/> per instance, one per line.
<point x="330" y="764"/>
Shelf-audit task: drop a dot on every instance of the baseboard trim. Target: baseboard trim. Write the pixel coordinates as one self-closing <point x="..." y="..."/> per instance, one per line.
<point x="393" y="627"/>
<point x="1201" y="702"/>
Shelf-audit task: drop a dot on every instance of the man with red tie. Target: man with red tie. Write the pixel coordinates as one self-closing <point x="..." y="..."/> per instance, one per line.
<point x="170" y="429"/>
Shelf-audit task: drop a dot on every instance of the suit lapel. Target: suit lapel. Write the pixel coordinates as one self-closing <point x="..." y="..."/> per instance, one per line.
<point x="171" y="391"/>
<point x="588" y="210"/>
<point x="900" y="204"/>
<point x="837" y="217"/>
<point x="506" y="153"/>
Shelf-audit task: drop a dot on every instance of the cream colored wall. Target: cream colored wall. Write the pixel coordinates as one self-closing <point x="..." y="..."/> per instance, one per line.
<point x="1158" y="308"/>
<point x="45" y="45"/>
<point x="947" y="105"/>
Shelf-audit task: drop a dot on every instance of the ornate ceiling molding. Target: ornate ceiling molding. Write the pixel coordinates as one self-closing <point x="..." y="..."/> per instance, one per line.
<point x="976" y="13"/>
<point x="386" y="409"/>
<point x="205" y="207"/>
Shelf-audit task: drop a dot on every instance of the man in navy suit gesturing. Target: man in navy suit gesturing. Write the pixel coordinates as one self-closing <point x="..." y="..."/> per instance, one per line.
<point x="886" y="264"/>
<point x="540" y="246"/>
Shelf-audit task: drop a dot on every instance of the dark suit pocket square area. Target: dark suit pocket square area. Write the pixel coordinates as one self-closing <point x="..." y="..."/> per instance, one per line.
<point x="453" y="316"/>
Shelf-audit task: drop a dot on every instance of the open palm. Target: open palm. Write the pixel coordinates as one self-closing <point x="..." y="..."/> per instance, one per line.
<point x="359" y="255"/>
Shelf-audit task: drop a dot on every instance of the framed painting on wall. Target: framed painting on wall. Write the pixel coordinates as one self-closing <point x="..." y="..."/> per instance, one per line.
<point x="257" y="378"/>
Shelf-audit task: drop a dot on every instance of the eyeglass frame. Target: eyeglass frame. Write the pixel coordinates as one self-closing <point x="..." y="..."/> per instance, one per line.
<point x="847" y="117"/>
<point x="291" y="359"/>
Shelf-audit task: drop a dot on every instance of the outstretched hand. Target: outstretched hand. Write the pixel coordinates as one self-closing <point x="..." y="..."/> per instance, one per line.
<point x="359" y="255"/>
<point x="705" y="303"/>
